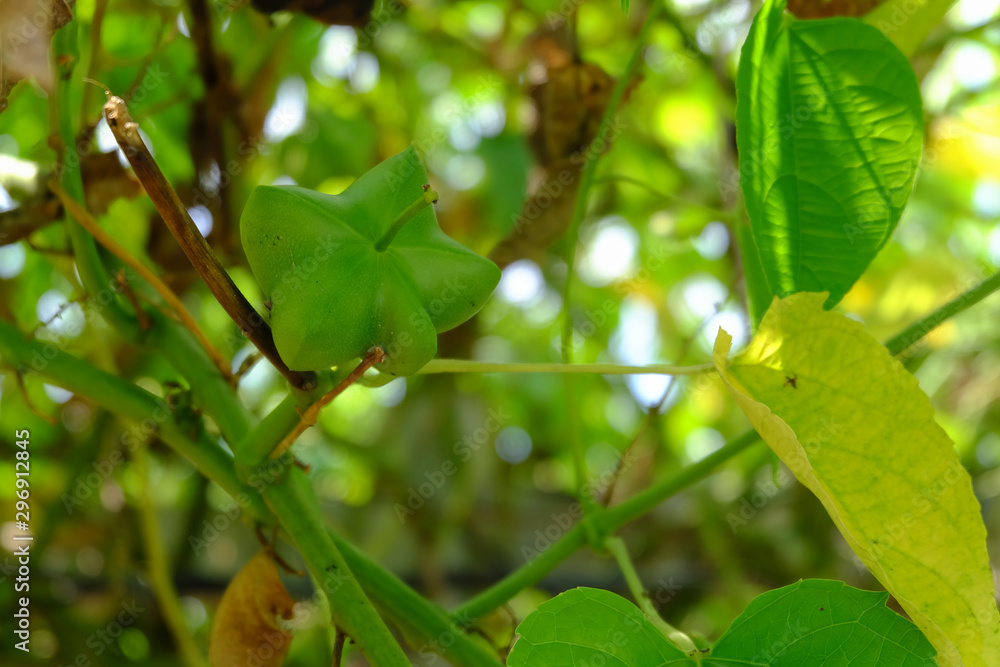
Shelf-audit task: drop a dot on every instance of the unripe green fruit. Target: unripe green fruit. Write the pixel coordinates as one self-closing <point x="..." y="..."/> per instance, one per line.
<point x="344" y="273"/>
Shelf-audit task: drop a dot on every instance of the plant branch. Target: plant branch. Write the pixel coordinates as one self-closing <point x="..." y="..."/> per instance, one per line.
<point x="524" y="577"/>
<point x="293" y="501"/>
<point x="91" y="225"/>
<point x="469" y="366"/>
<point x="129" y="402"/>
<point x="909" y="336"/>
<point x="159" y="569"/>
<point x="93" y="275"/>
<point x="611" y="519"/>
<point x="580" y="203"/>
<point x="579" y="210"/>
<point x="204" y="260"/>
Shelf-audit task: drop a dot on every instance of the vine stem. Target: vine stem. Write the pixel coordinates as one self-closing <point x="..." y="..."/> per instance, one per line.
<point x="93" y="276"/>
<point x="611" y="519"/>
<point x="579" y="210"/>
<point x="580" y="203"/>
<point x="909" y="336"/>
<point x="616" y="547"/>
<point x="603" y="521"/>
<point x="468" y="366"/>
<point x="194" y="245"/>
<point x="420" y="617"/>
<point x="159" y="569"/>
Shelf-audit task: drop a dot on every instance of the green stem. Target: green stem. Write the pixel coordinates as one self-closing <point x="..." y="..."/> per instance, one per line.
<point x="293" y="501"/>
<point x="613" y="518"/>
<point x="579" y="209"/>
<point x="429" y="197"/>
<point x="616" y="546"/>
<point x="604" y="522"/>
<point x="210" y="390"/>
<point x="95" y="278"/>
<point x="911" y="334"/>
<point x="529" y="574"/>
<point x="469" y="366"/>
<point x="151" y="415"/>
<point x="415" y="615"/>
<point x="580" y="203"/>
<point x="159" y="569"/>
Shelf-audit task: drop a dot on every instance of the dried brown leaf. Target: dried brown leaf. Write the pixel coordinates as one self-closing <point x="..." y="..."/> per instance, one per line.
<point x="245" y="630"/>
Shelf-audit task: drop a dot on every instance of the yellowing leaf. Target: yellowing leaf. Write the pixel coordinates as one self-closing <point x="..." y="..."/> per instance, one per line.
<point x="855" y="428"/>
<point x="245" y="630"/>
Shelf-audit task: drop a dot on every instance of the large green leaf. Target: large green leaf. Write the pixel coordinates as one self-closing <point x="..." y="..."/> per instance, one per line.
<point x="829" y="129"/>
<point x="855" y="428"/>
<point x="810" y="622"/>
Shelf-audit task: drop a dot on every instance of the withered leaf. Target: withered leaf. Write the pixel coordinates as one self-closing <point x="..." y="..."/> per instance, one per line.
<point x="245" y="630"/>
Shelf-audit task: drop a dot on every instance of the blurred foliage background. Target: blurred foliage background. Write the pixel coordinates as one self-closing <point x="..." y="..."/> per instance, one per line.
<point x="497" y="96"/>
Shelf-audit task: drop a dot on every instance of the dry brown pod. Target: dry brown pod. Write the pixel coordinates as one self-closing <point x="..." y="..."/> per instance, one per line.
<point x="245" y="630"/>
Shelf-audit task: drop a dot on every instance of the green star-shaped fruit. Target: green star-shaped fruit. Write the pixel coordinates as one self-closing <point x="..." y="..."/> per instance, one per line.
<point x="344" y="273"/>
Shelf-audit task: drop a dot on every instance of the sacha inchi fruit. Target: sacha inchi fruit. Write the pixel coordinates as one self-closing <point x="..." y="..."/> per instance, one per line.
<point x="344" y="273"/>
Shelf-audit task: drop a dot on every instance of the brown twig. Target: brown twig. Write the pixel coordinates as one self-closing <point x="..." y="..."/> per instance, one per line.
<point x="58" y="313"/>
<point x="245" y="367"/>
<point x="375" y="356"/>
<point x="133" y="299"/>
<point x="268" y="544"/>
<point x="176" y="217"/>
<point x="338" y="647"/>
<point x="105" y="239"/>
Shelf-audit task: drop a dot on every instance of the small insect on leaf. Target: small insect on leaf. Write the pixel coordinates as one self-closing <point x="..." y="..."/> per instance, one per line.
<point x="791" y="381"/>
<point x="246" y="622"/>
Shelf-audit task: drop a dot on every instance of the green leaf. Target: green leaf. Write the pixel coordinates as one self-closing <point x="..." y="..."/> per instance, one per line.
<point x="907" y="23"/>
<point x="810" y="622"/>
<point x="589" y="626"/>
<point x="625" y="7"/>
<point x="855" y="428"/>
<point x="821" y="622"/>
<point x="829" y="129"/>
<point x="333" y="295"/>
